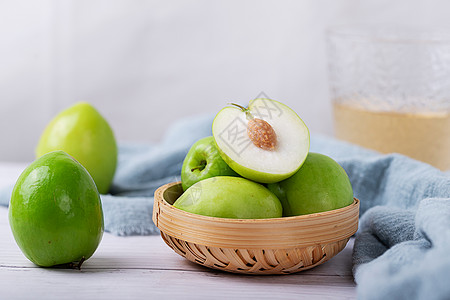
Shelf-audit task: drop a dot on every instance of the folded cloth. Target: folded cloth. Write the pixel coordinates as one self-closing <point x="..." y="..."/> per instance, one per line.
<point x="402" y="245"/>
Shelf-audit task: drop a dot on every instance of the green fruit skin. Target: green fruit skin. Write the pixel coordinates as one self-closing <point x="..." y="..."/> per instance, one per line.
<point x="203" y="161"/>
<point x="55" y="212"/>
<point x="230" y="197"/>
<point x="321" y="184"/>
<point x="84" y="134"/>
<point x="258" y="176"/>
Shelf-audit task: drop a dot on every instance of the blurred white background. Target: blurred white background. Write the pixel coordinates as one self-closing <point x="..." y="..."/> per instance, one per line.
<point x="145" y="64"/>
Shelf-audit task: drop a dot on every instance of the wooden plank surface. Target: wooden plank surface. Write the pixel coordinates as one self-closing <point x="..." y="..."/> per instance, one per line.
<point x="143" y="266"/>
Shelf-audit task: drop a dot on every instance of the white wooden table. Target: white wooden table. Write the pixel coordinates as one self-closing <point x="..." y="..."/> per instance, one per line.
<point x="143" y="267"/>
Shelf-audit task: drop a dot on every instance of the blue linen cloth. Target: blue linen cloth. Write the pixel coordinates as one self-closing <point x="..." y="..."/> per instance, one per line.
<point x="402" y="247"/>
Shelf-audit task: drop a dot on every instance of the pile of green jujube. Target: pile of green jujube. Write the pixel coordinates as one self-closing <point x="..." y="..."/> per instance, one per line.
<point x="257" y="165"/>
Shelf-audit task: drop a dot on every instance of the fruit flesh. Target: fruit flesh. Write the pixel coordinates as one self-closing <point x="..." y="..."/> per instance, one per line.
<point x="230" y="197"/>
<point x="55" y="211"/>
<point x="321" y="184"/>
<point x="84" y="134"/>
<point x="252" y="162"/>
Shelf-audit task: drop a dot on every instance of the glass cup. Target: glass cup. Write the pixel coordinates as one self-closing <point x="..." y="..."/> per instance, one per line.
<point x="391" y="90"/>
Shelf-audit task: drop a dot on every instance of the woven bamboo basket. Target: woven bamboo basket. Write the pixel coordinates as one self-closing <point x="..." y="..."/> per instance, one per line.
<point x="253" y="246"/>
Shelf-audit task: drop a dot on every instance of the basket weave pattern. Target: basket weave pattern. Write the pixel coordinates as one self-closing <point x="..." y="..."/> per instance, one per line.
<point x="261" y="246"/>
<point x="257" y="261"/>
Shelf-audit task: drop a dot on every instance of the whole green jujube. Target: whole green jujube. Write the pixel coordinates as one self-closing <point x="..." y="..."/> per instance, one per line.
<point x="230" y="197"/>
<point x="55" y="212"/>
<point x="321" y="184"/>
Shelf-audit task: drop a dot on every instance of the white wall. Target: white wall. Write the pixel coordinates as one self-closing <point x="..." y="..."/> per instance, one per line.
<point x="144" y="64"/>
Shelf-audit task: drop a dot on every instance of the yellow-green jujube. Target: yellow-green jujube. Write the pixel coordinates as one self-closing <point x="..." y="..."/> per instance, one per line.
<point x="84" y="134"/>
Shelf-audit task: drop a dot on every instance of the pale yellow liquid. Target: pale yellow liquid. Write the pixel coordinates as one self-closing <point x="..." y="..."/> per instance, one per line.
<point x="424" y="137"/>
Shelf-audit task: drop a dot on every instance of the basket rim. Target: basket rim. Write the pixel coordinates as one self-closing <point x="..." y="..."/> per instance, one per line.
<point x="159" y="196"/>
<point x="273" y="233"/>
